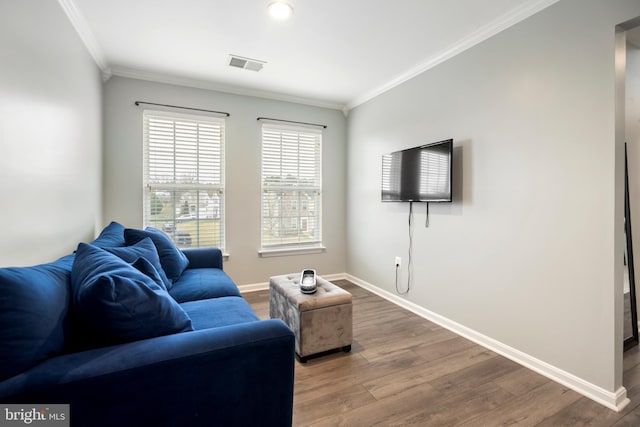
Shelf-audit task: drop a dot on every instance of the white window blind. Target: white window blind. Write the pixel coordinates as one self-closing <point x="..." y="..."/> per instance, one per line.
<point x="291" y="187"/>
<point x="184" y="177"/>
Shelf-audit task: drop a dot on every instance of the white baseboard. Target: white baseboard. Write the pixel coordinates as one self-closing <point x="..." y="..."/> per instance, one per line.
<point x="253" y="287"/>
<point x="616" y="401"/>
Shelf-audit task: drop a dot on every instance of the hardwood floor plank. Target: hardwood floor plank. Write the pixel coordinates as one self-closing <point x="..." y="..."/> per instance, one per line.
<point x="377" y="347"/>
<point x="630" y="420"/>
<point x="456" y="406"/>
<point x="332" y="400"/>
<point x="529" y="409"/>
<point x="631" y="358"/>
<point x="521" y="381"/>
<point x="434" y="349"/>
<point x="386" y="412"/>
<point x="478" y="374"/>
<point x="404" y="370"/>
<point x="399" y="362"/>
<point x="309" y="382"/>
<point x="631" y="377"/>
<point x="396" y="383"/>
<point x="427" y="371"/>
<point x="583" y="412"/>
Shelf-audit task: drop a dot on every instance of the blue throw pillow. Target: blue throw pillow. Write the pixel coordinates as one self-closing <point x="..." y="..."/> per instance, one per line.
<point x="111" y="236"/>
<point x="172" y="259"/>
<point x="146" y="268"/>
<point x="34" y="304"/>
<point x="118" y="302"/>
<point x="147" y="250"/>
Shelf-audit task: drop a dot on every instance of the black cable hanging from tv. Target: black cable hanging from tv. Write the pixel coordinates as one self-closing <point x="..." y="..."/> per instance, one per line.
<point x="410" y="250"/>
<point x="292" y="121"/>
<point x="224" y="113"/>
<point x="410" y="247"/>
<point x="426" y="220"/>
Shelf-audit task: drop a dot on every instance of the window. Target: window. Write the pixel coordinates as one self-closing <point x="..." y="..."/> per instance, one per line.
<point x="184" y="177"/>
<point x="291" y="178"/>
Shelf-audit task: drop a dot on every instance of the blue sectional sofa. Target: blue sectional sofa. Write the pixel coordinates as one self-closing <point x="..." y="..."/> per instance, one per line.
<point x="131" y="331"/>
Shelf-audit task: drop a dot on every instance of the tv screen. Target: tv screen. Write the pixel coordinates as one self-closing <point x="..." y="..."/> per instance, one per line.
<point x="419" y="174"/>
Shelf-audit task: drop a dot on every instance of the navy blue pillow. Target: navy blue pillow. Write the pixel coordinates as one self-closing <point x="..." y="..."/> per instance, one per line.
<point x="111" y="236"/>
<point x="145" y="267"/>
<point x="34" y="303"/>
<point x="118" y="302"/>
<point x="172" y="259"/>
<point x="147" y="250"/>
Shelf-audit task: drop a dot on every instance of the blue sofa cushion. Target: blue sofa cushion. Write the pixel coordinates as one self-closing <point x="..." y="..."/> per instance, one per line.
<point x="66" y="262"/>
<point x="147" y="250"/>
<point x="111" y="236"/>
<point x="202" y="283"/>
<point x="217" y="312"/>
<point x="173" y="261"/>
<point x="34" y="303"/>
<point x="120" y="302"/>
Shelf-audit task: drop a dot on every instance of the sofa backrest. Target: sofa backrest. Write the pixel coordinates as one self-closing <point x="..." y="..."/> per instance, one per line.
<point x="34" y="314"/>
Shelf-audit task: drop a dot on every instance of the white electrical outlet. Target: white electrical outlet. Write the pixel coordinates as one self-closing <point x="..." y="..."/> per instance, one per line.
<point x="398" y="262"/>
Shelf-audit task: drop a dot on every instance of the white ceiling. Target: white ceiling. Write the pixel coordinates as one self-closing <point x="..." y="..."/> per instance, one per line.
<point x="333" y="53"/>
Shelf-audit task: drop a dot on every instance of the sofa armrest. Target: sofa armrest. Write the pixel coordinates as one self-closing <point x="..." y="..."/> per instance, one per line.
<point x="204" y="257"/>
<point x="234" y="375"/>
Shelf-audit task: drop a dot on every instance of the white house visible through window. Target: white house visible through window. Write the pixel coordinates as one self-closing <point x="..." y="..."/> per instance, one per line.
<point x="291" y="178"/>
<point x="184" y="177"/>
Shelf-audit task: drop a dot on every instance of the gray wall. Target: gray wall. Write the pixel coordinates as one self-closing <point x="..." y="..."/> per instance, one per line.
<point x="50" y="134"/>
<point x="527" y="254"/>
<point x="123" y="171"/>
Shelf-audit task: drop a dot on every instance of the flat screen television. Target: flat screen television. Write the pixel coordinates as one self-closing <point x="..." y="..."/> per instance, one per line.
<point x="418" y="174"/>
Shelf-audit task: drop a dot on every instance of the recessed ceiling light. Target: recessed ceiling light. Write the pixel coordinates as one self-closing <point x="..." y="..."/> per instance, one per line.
<point x="280" y="10"/>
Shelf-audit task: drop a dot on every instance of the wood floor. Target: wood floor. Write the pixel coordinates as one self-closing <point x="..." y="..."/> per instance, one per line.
<point x="405" y="370"/>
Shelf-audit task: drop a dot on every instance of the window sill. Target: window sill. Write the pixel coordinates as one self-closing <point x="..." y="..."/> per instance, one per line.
<point x="265" y="253"/>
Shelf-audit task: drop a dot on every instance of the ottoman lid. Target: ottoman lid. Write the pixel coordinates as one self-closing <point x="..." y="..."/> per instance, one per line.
<point x="326" y="295"/>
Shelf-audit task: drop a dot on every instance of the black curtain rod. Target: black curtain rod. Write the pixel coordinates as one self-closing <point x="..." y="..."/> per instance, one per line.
<point x="291" y="121"/>
<point x="184" y="108"/>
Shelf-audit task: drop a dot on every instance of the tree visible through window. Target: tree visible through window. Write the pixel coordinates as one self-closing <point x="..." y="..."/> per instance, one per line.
<point x="184" y="177"/>
<point x="291" y="187"/>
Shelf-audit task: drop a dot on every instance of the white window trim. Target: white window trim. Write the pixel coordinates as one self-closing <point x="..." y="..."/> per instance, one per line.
<point x="220" y="188"/>
<point x="267" y="253"/>
<point x="296" y="248"/>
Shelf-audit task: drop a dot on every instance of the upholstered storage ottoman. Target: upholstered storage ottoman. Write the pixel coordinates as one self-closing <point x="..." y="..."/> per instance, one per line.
<point x="321" y="321"/>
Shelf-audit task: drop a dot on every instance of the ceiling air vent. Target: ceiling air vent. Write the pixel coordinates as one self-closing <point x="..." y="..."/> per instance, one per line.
<point x="246" y="63"/>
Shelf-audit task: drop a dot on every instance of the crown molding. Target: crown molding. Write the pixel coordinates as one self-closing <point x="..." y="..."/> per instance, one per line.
<point x="86" y="35"/>
<point x="517" y="15"/>
<point x="218" y="87"/>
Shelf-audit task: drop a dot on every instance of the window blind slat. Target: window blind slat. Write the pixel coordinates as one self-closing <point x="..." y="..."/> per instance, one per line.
<point x="291" y="187"/>
<point x="184" y="177"/>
